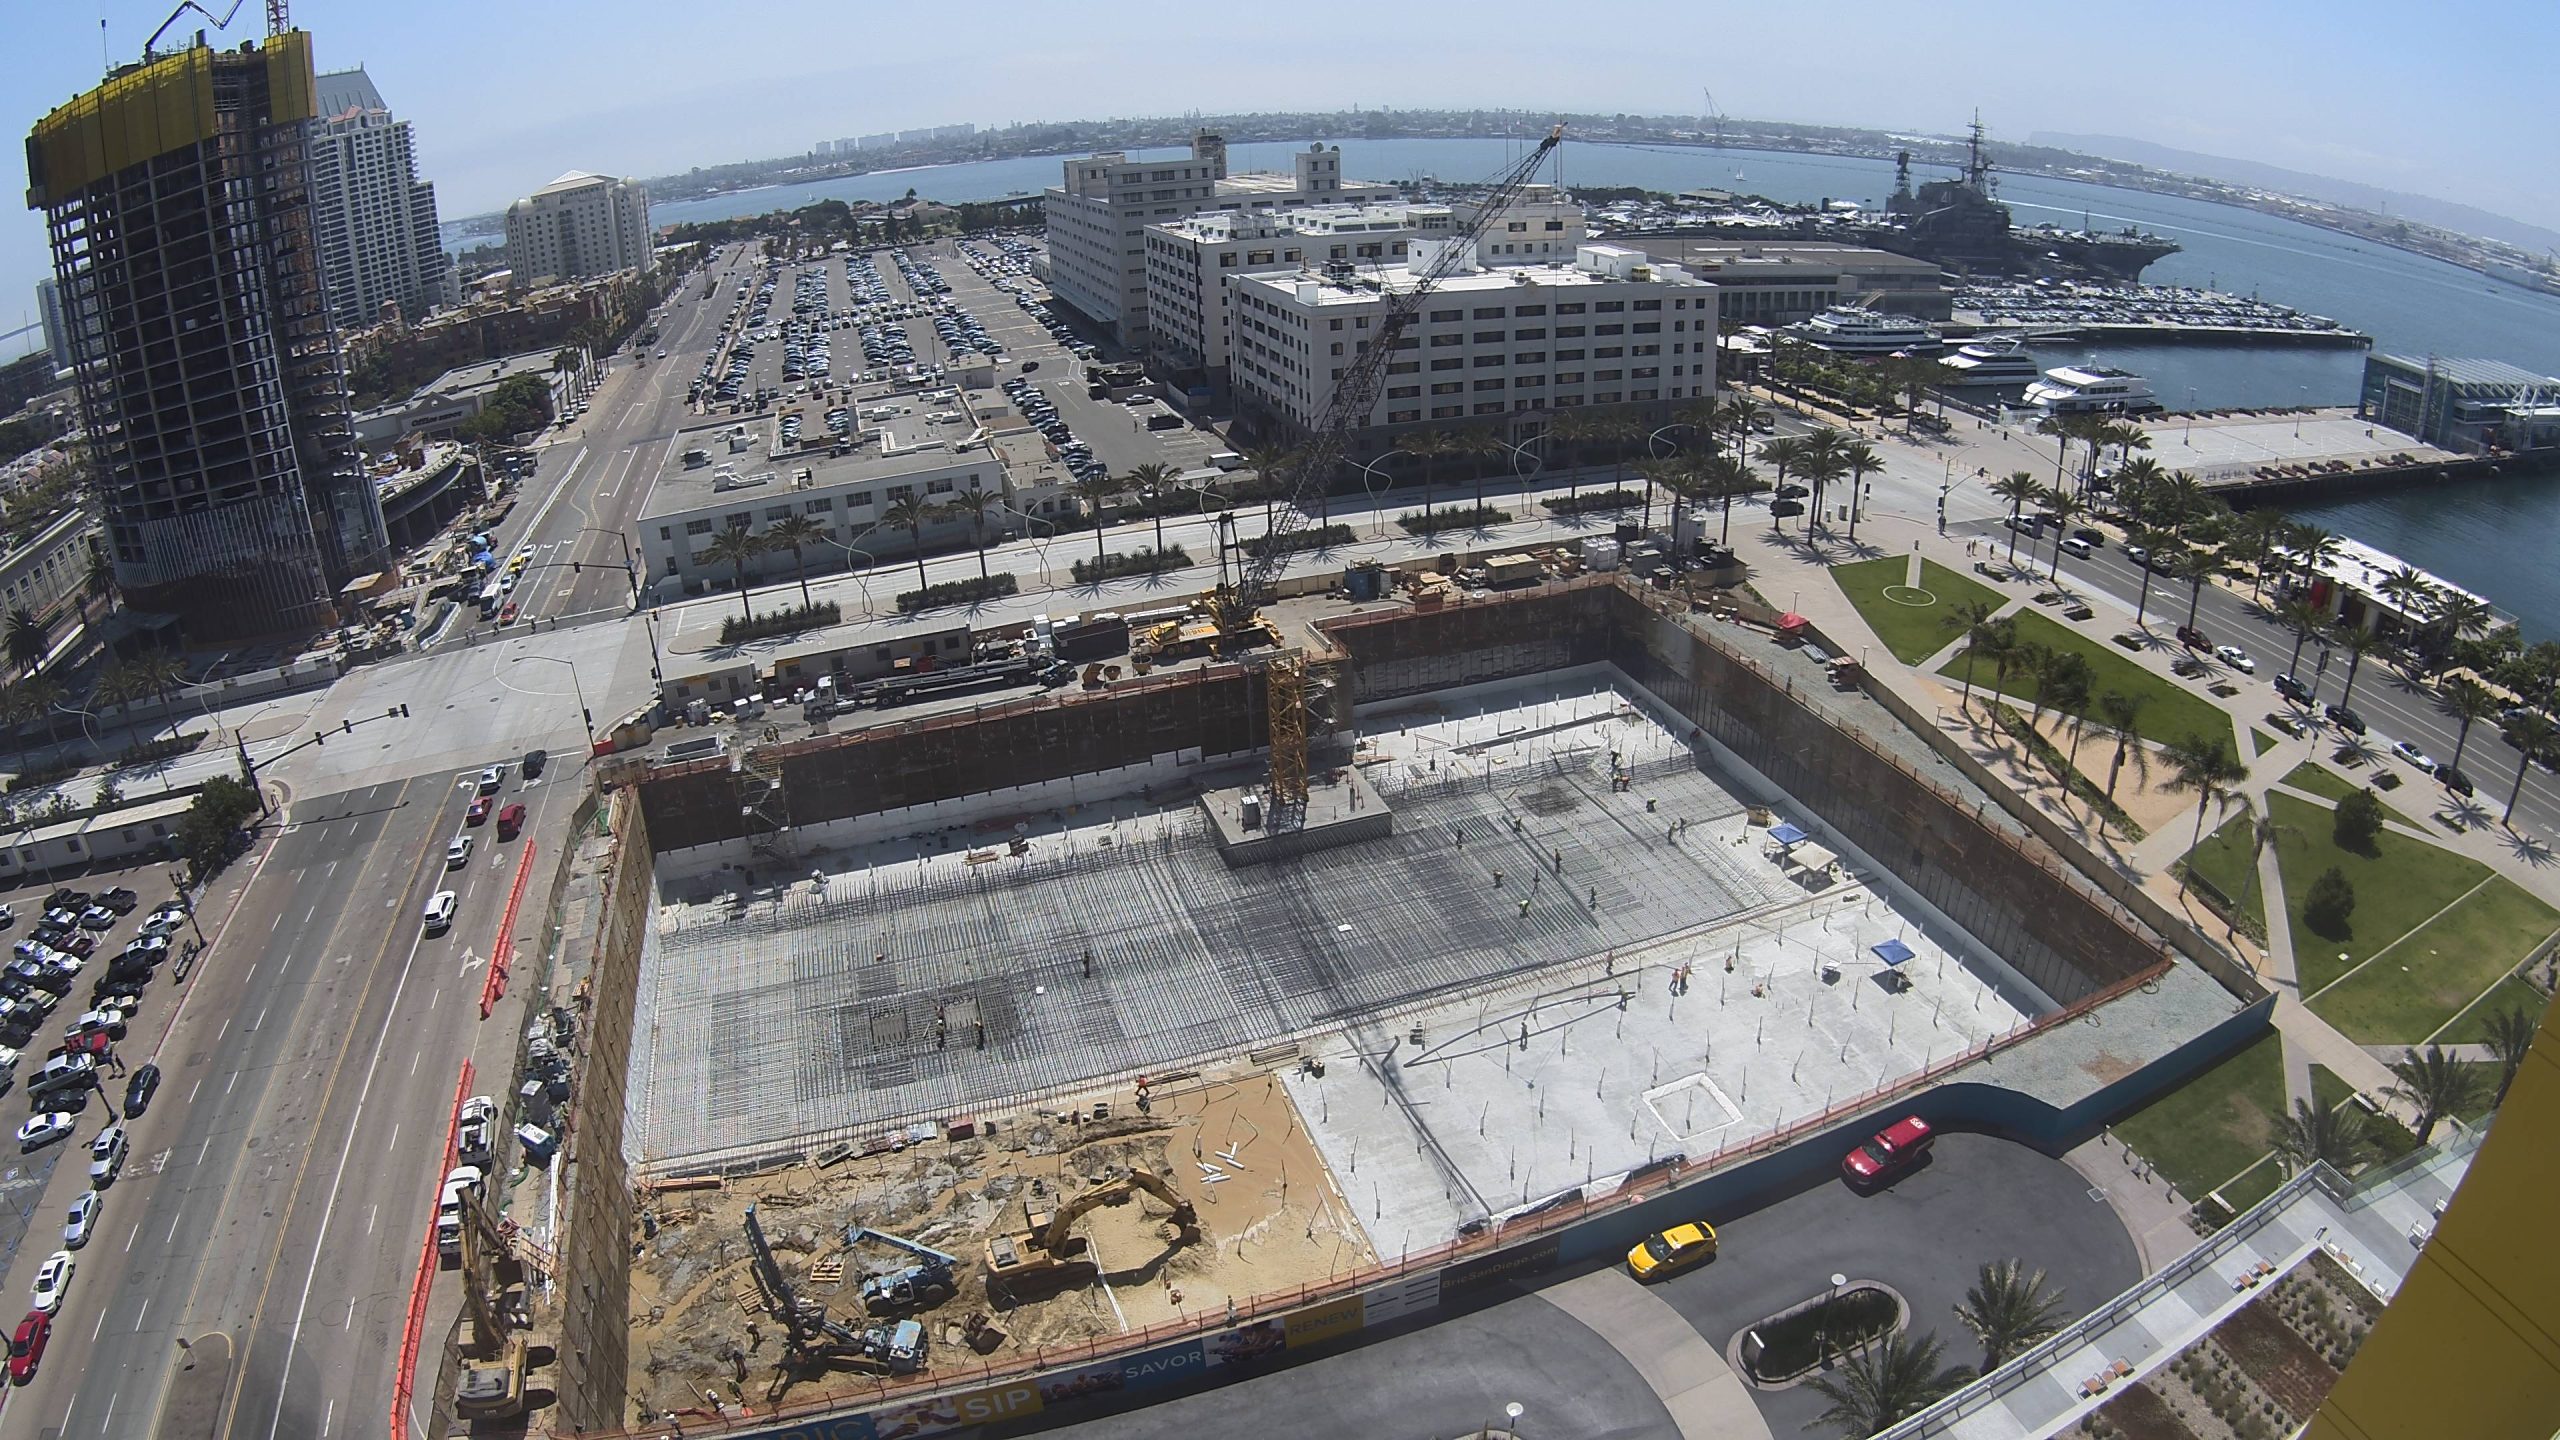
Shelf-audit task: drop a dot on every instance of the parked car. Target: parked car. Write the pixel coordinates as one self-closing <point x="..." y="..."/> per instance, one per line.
<point x="84" y="1220"/>
<point x="1668" y="1252"/>
<point x="1889" y="1152"/>
<point x="2293" y="690"/>
<point x="53" y="1281"/>
<point x="2454" y="780"/>
<point x="106" y="1156"/>
<point x="26" y="1346"/>
<point x="2346" y="719"/>
<point x="120" y="900"/>
<point x="2414" y="755"/>
<point x="2235" y="657"/>
<point x="42" y="1130"/>
<point x="475" y="1139"/>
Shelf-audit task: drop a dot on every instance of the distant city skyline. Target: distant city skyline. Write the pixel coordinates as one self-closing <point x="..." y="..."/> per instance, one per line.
<point x="504" y="98"/>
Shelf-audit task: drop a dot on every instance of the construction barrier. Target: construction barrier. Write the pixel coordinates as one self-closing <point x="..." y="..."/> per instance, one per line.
<point x="502" y="951"/>
<point x="405" y="1379"/>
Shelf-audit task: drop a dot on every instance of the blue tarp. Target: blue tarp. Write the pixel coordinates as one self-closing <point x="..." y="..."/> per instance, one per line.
<point x="1892" y="952"/>
<point x="1786" y="834"/>
<point x="485" y="560"/>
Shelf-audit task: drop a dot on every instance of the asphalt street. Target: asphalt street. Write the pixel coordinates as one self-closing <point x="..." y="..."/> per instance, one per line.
<point x="2394" y="706"/>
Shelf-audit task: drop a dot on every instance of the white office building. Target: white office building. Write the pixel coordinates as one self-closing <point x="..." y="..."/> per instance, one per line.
<point x="1193" y="262"/>
<point x="576" y="226"/>
<point x="374" y="218"/>
<point x="57" y="323"/>
<point x="1098" y="216"/>
<point x="1505" y="347"/>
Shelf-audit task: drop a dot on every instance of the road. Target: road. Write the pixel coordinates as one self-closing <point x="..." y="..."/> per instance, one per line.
<point x="2394" y="707"/>
<point x="280" y="1184"/>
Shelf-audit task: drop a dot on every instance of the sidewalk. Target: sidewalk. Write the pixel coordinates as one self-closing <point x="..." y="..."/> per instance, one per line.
<point x="1706" y="1399"/>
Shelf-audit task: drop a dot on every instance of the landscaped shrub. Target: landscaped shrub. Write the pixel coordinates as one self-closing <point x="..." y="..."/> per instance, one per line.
<point x="2358" y="822"/>
<point x="2331" y="901"/>
<point x="1472" y="517"/>
<point x="1796" y="1343"/>
<point x="1136" y="562"/>
<point x="959" y="592"/>
<point x="1321" y="537"/>
<point x="738" y="629"/>
<point x="1619" y="499"/>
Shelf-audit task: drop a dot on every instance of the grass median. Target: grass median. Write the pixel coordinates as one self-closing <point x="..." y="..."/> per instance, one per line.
<point x="2398" y="887"/>
<point x="1914" y="625"/>
<point x="2170" y="711"/>
<point x="2439" y="969"/>
<point x="2215" y="1125"/>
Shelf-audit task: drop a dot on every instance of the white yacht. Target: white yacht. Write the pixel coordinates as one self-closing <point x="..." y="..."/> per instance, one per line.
<point x="2091" y="390"/>
<point x="2003" y="360"/>
<point x="1855" y="330"/>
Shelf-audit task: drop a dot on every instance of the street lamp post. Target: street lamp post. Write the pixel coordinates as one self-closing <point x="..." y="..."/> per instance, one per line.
<point x="1368" y="472"/>
<point x="584" y="714"/>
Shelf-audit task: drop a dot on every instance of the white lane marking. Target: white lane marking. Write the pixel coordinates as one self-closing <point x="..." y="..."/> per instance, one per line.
<point x="314" y="910"/>
<point x="252" y="973"/>
<point x="326" y="1415"/>
<point x="201" y="1149"/>
<point x="346" y="1151"/>
<point x="224" y="1031"/>
<point x="137" y="1318"/>
<point x="129" y="1239"/>
<point x="262" y="1018"/>
<point x="371" y="1214"/>
<point x="276" y="924"/>
<point x="108" y="1426"/>
<point x="67" y="1409"/>
<point x="395" y="1138"/>
<point x="173" y="1231"/>
<point x="414" y="1059"/>
<point x="234" y="1080"/>
<point x="192" y="1089"/>
<point x="94" y="1329"/>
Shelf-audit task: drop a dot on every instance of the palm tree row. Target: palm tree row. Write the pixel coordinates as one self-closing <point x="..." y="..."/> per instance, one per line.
<point x="2008" y="1310"/>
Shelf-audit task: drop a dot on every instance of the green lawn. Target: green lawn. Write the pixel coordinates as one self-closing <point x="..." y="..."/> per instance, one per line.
<point x="2171" y="712"/>
<point x="2223" y="862"/>
<point x="2430" y="977"/>
<point x="2312" y="778"/>
<point x="1913" y="632"/>
<point x="2397" y="888"/>
<point x="2261" y="742"/>
<point x="2508" y="994"/>
<point x="2242" y="1191"/>
<point x="2207" y="1130"/>
<point x="2329" y="1090"/>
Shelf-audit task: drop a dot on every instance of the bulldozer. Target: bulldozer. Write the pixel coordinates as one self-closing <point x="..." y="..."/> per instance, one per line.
<point x="1049" y="1253"/>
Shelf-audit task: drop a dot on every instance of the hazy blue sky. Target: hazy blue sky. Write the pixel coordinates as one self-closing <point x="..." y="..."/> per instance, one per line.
<point x="2449" y="99"/>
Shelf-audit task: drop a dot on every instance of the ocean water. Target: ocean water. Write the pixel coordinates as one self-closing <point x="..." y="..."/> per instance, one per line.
<point x="2491" y="536"/>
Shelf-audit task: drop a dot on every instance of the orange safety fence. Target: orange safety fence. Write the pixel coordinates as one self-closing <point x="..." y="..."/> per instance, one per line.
<point x="405" y="1379"/>
<point x="502" y="951"/>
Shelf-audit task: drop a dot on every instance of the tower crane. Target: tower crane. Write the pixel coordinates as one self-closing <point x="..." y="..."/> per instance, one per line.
<point x="1310" y="469"/>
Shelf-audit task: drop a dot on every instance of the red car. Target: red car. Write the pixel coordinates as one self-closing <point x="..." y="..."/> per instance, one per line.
<point x="1894" y="1149"/>
<point x="26" y="1348"/>
<point x="507" y="613"/>
<point x="478" y="813"/>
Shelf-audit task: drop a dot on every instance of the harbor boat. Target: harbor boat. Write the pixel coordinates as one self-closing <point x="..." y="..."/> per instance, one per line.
<point x="2091" y="390"/>
<point x="1855" y="330"/>
<point x="2004" y="361"/>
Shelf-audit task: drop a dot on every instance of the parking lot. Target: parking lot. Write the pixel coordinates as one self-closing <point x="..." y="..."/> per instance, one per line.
<point x="84" y="957"/>
<point x="1978" y="1200"/>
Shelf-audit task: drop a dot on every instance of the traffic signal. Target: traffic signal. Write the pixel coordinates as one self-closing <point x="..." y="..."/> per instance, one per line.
<point x="346" y="727"/>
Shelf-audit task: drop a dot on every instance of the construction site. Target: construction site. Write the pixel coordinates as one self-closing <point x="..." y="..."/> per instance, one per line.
<point x="986" y="1059"/>
<point x="1549" y="922"/>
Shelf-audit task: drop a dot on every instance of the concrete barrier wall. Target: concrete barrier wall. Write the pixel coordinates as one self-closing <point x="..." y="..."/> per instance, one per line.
<point x="595" y="1263"/>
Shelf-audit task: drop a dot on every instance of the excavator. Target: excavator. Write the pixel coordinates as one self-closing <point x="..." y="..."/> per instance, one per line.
<point x="814" y="1339"/>
<point x="1049" y="1253"/>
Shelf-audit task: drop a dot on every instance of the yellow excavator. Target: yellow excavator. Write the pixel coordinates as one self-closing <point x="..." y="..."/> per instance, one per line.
<point x="1049" y="1252"/>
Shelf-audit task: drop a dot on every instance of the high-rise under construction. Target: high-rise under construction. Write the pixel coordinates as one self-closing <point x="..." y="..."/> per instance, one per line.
<point x="177" y="197"/>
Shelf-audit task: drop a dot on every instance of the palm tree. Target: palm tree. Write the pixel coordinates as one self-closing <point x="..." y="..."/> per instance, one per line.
<point x="2312" y="547"/>
<point x="1727" y="477"/>
<point x="2120" y="716"/>
<point x="1893" y="1379"/>
<point x="2165" y="554"/>
<point x="2007" y="653"/>
<point x="2457" y="617"/>
<point x="1274" y="469"/>
<point x="2057" y="672"/>
<point x="2017" y="488"/>
<point x="1147" y="482"/>
<point x="2409" y="592"/>
<point x="2258" y="532"/>
<point x="1704" y="415"/>
<point x="1862" y="462"/>
<point x="1097" y="494"/>
<point x="1571" y="429"/>
<point x="1742" y="415"/>
<point x="2312" y="1134"/>
<point x="1478" y="445"/>
<point x="735" y="547"/>
<point x="2532" y="733"/>
<point x="1617" y="432"/>
<point x="2434" y="1084"/>
<point x="2061" y="430"/>
<point x="2304" y="619"/>
<point x="1670" y="472"/>
<point x="2355" y="640"/>
<point x="1786" y="452"/>
<point x="796" y="533"/>
<point x="911" y="514"/>
<point x="100" y="582"/>
<point x="2065" y="508"/>
<point x="28" y="637"/>
<point x="1428" y="446"/>
<point x="2510" y="1036"/>
<point x="974" y="503"/>
<point x="2196" y="567"/>
<point x="2469" y="702"/>
<point x="1979" y="634"/>
<point x="2264" y="830"/>
<point x="2008" y="1310"/>
<point x="2206" y="767"/>
<point x="1822" y="467"/>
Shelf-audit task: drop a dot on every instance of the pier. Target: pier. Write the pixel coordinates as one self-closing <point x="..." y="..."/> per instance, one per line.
<point x="2266" y="456"/>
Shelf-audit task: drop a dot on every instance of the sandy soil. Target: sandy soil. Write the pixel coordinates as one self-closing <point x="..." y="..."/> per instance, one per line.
<point x="1273" y="1223"/>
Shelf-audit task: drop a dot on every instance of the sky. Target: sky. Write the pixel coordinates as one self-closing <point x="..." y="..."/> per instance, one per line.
<point x="2448" y="99"/>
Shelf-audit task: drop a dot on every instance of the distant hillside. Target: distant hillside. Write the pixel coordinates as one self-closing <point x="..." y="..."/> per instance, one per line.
<point x="2452" y="215"/>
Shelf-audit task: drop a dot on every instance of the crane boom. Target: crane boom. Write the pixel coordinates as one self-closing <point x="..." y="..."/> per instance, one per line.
<point x="1356" y="394"/>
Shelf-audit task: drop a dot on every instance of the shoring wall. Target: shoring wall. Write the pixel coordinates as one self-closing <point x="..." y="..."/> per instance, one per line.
<point x="595" y="1263"/>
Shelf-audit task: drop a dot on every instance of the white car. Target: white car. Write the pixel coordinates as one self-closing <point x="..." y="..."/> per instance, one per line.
<point x="439" y="916"/>
<point x="42" y="1130"/>
<point x="474" y="1137"/>
<point x="2413" y="755"/>
<point x="491" y="779"/>
<point x="84" y="1220"/>
<point x="106" y="1156"/>
<point x="166" y="920"/>
<point x="458" y="853"/>
<point x="53" y="1281"/>
<point x="2235" y="657"/>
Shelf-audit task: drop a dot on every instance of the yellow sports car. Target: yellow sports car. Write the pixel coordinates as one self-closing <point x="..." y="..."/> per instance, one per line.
<point x="1668" y="1252"/>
